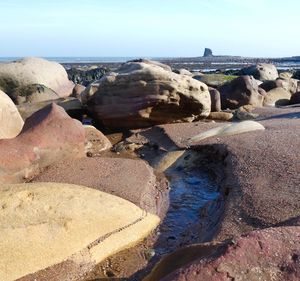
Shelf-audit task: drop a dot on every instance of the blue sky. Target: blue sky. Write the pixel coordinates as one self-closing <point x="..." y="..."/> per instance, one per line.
<point x="150" y="28"/>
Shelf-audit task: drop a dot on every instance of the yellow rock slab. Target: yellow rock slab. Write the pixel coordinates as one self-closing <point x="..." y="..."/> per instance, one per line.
<point x="44" y="224"/>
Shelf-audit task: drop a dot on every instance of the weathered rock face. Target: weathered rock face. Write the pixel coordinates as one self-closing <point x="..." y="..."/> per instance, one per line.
<point x="131" y="179"/>
<point x="143" y="94"/>
<point x="270" y="255"/>
<point x="270" y="85"/>
<point x="183" y="71"/>
<point x="228" y="130"/>
<point x="241" y="91"/>
<point x="96" y="142"/>
<point x="71" y="105"/>
<point x="30" y="71"/>
<point x="151" y="62"/>
<point x="32" y="94"/>
<point x="221" y="116"/>
<point x="295" y="99"/>
<point x="297" y="75"/>
<point x="208" y="53"/>
<point x="215" y="99"/>
<point x="85" y="77"/>
<point x="89" y="91"/>
<point x="59" y="231"/>
<point x="78" y="89"/>
<point x="261" y="71"/>
<point x="11" y="122"/>
<point x="291" y="85"/>
<point x="285" y="75"/>
<point x="48" y="136"/>
<point x="277" y="96"/>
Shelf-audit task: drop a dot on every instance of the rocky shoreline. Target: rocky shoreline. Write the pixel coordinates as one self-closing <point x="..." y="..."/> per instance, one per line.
<point x="149" y="171"/>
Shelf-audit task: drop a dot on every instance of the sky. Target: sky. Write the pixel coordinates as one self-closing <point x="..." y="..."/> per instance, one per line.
<point x="153" y="28"/>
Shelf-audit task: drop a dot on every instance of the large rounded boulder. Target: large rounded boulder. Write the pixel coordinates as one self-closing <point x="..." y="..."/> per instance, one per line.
<point x="33" y="93"/>
<point x="142" y="93"/>
<point x="261" y="71"/>
<point x="52" y="231"/>
<point x="10" y="118"/>
<point x="241" y="91"/>
<point x="48" y="136"/>
<point x="277" y="97"/>
<point x="30" y="71"/>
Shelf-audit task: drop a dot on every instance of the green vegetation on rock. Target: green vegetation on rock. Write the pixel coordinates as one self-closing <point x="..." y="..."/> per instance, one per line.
<point x="214" y="80"/>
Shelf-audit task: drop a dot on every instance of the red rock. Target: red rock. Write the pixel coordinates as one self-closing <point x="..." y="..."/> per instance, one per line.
<point x="241" y="91"/>
<point x="261" y="182"/>
<point x="47" y="136"/>
<point x="131" y="179"/>
<point x="271" y="255"/>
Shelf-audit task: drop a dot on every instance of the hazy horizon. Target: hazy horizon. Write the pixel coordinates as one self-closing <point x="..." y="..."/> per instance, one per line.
<point x="135" y="28"/>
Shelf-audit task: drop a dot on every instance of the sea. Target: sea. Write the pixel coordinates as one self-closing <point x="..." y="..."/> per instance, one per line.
<point x="193" y="64"/>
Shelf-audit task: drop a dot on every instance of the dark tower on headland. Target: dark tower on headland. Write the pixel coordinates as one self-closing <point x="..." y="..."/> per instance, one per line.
<point x="208" y="53"/>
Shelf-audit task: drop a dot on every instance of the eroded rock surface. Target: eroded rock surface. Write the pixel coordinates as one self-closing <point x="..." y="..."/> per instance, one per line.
<point x="241" y="91"/>
<point x="30" y="71"/>
<point x="130" y="179"/>
<point x="269" y="255"/>
<point x="261" y="71"/>
<point x="143" y="93"/>
<point x="47" y="136"/>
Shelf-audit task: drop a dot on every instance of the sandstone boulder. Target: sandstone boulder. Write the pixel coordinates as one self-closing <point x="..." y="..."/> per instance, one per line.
<point x="277" y="96"/>
<point x="71" y="105"/>
<point x="261" y="71"/>
<point x="295" y="99"/>
<point x="131" y="179"/>
<point x="215" y="99"/>
<point x="48" y="136"/>
<point x="10" y="119"/>
<point x="270" y="255"/>
<point x="228" y="130"/>
<point x="96" y="142"/>
<point x="221" y="116"/>
<point x="78" y="89"/>
<point x="285" y="75"/>
<point x="89" y="91"/>
<point x="151" y="62"/>
<point x="142" y="94"/>
<point x="241" y="91"/>
<point x="183" y="71"/>
<point x="291" y="85"/>
<point x="30" y="71"/>
<point x="33" y="93"/>
<point x="296" y="75"/>
<point x="270" y="85"/>
<point x="54" y="231"/>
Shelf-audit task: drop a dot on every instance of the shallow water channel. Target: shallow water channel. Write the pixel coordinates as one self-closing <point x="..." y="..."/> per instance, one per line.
<point x="196" y="206"/>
